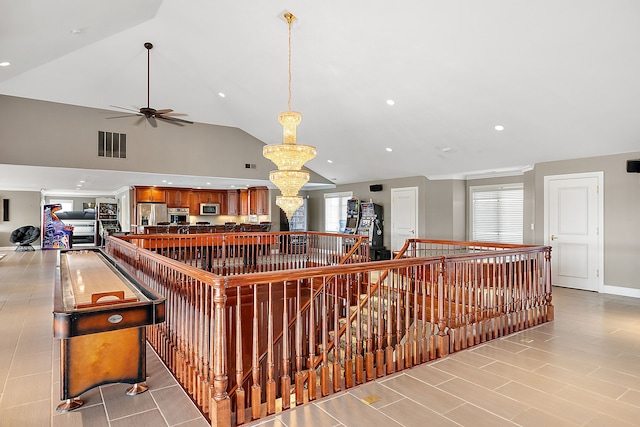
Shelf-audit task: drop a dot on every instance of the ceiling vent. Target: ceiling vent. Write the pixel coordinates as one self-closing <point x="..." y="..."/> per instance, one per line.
<point x="111" y="144"/>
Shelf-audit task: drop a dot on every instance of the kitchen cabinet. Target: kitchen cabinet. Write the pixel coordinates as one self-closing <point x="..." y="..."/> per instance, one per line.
<point x="232" y="205"/>
<point x="205" y="196"/>
<point x="258" y="201"/>
<point x="150" y="195"/>
<point x="178" y="198"/>
<point x="243" y="200"/>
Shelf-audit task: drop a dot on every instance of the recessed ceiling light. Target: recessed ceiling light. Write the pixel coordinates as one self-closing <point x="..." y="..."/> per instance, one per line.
<point x="5" y="64"/>
<point x="391" y="102"/>
<point x="389" y="149"/>
<point x="445" y="149"/>
<point x="164" y="180"/>
<point x="233" y="186"/>
<point x="208" y="183"/>
<point x="499" y="127"/>
<point x="169" y="183"/>
<point x="76" y="31"/>
<point x="329" y="161"/>
<point x="221" y="95"/>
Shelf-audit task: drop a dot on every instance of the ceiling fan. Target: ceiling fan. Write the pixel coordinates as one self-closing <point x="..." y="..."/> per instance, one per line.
<point x="151" y="114"/>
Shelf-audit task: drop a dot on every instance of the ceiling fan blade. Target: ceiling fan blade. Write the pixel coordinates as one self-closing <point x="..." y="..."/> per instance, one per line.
<point x="169" y="120"/>
<point x="173" y="119"/>
<point x="152" y="121"/>
<point x="140" y="119"/>
<point x="125" y="108"/>
<point x="120" y="117"/>
<point x="165" y="111"/>
<point x="174" y="114"/>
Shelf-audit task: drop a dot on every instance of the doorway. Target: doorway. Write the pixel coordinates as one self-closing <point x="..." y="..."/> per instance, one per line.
<point x="574" y="229"/>
<point x="404" y="216"/>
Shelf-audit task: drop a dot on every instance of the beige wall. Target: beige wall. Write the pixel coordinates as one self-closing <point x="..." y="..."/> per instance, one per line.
<point x="24" y="209"/>
<point x="621" y="212"/>
<point x="41" y="133"/>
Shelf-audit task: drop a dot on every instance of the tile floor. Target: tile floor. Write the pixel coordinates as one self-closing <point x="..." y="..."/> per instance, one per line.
<point x="583" y="369"/>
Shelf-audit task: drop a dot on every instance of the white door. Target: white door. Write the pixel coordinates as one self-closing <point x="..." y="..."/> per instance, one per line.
<point x="573" y="205"/>
<point x="404" y="216"/>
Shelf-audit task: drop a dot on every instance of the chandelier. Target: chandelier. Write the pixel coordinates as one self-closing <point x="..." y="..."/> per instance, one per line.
<point x="289" y="157"/>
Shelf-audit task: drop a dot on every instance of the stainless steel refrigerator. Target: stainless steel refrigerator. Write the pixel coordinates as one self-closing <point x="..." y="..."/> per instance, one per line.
<point x="152" y="213"/>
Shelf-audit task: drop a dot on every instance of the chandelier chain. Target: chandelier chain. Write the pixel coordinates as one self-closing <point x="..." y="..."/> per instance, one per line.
<point x="289" y="66"/>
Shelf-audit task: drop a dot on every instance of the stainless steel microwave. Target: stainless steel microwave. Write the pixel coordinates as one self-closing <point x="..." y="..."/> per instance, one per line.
<point x="209" y="209"/>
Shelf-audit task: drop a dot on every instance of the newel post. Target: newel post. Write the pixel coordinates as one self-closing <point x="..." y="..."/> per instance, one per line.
<point x="220" y="404"/>
<point x="548" y="283"/>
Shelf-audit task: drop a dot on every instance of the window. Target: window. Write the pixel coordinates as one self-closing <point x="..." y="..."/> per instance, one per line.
<point x="67" y="205"/>
<point x="496" y="213"/>
<point x="335" y="211"/>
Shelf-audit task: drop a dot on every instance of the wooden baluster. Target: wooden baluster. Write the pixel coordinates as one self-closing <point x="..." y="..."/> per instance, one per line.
<point x="220" y="403"/>
<point x="425" y="283"/>
<point x="271" y="384"/>
<point x="389" y="300"/>
<point x="369" y="355"/>
<point x="400" y="289"/>
<point x="348" y="362"/>
<point x="286" y="379"/>
<point x="443" y="339"/>
<point x="299" y="377"/>
<point x="240" y="394"/>
<point x="359" y="349"/>
<point x="206" y="327"/>
<point x="256" y="389"/>
<point x="380" y="329"/>
<point x="312" y="384"/>
<point x="336" y="337"/>
<point x="409" y="281"/>
<point x="416" y="315"/>
<point x="324" y="369"/>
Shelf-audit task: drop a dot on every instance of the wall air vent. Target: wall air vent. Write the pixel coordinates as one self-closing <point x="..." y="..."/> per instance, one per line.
<point x="249" y="166"/>
<point x="111" y="144"/>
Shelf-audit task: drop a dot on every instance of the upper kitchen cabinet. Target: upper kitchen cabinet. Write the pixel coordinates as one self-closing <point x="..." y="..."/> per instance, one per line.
<point x="232" y="205"/>
<point x="243" y="199"/>
<point x="150" y="194"/>
<point x="258" y="201"/>
<point x="206" y="196"/>
<point x="178" y="198"/>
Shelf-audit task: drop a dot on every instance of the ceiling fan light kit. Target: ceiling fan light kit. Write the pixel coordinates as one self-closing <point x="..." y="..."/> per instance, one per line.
<point x="151" y="114"/>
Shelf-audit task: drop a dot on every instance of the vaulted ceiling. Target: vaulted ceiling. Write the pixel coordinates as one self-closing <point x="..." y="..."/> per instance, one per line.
<point x="561" y="77"/>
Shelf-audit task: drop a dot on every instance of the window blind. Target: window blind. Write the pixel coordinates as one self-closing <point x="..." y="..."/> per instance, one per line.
<point x="497" y="214"/>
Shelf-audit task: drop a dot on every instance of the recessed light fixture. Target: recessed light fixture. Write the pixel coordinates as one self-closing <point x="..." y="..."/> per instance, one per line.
<point x="222" y="95"/>
<point x="329" y="161"/>
<point x="164" y="180"/>
<point x="76" y="31"/>
<point x="208" y="183"/>
<point x="499" y="127"/>
<point x="391" y="102"/>
<point x="5" y="64"/>
<point x="445" y="149"/>
<point x="389" y="149"/>
<point x="169" y="183"/>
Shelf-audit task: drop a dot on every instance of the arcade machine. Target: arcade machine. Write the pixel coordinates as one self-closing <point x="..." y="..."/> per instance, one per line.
<point x="107" y="220"/>
<point x="353" y="216"/>
<point x="371" y="223"/>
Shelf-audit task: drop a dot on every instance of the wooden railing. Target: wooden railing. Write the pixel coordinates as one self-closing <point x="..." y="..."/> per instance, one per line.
<point x="248" y="345"/>
<point x="241" y="253"/>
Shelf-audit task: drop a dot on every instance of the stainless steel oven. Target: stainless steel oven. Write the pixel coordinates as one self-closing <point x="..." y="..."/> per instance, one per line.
<point x="177" y="215"/>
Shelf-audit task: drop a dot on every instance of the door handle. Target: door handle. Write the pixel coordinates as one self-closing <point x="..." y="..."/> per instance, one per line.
<point x="554" y="237"/>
